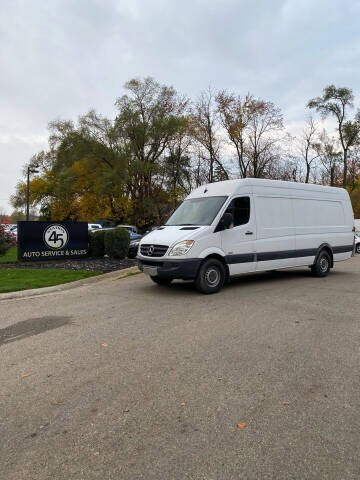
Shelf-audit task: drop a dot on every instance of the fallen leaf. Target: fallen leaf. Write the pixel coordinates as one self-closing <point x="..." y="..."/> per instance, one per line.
<point x="57" y="403"/>
<point x="187" y="356"/>
<point x="126" y="411"/>
<point x="104" y="345"/>
<point x="183" y="404"/>
<point x="291" y="351"/>
<point x="286" y="403"/>
<point x="96" y="454"/>
<point x="241" y="425"/>
<point x="24" y="375"/>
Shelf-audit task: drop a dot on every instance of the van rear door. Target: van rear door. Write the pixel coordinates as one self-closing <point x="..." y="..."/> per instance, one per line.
<point x="238" y="242"/>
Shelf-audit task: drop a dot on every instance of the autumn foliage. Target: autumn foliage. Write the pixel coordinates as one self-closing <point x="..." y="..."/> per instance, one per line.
<point x="137" y="167"/>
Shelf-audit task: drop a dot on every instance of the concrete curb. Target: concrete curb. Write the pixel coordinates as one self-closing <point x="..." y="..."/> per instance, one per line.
<point x="112" y="276"/>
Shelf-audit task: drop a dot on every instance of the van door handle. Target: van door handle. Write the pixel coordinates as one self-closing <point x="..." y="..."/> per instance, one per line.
<point x="249" y="233"/>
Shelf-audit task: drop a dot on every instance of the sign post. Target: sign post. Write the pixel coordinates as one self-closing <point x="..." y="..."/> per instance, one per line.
<point x="43" y="241"/>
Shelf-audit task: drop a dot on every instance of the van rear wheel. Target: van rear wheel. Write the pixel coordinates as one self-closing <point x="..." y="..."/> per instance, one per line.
<point x="211" y="276"/>
<point x="358" y="248"/>
<point x="322" y="265"/>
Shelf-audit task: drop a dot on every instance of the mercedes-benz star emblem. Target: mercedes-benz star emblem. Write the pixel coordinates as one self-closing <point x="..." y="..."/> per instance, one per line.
<point x="151" y="250"/>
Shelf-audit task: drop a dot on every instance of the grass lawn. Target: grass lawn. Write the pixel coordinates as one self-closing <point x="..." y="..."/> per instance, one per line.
<point x="12" y="279"/>
<point x="10" y="256"/>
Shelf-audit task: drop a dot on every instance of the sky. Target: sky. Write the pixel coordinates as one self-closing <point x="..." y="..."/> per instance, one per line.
<point x="59" y="58"/>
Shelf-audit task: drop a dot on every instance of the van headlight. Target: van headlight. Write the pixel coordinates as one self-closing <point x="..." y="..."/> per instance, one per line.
<point x="181" y="248"/>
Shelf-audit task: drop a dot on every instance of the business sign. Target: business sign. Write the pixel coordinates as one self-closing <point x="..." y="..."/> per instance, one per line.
<point x="52" y="240"/>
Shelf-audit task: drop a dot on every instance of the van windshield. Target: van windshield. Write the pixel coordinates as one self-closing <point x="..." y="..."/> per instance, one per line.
<point x="197" y="211"/>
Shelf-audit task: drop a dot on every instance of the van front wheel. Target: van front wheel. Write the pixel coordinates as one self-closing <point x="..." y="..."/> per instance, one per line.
<point x="321" y="267"/>
<point x="211" y="276"/>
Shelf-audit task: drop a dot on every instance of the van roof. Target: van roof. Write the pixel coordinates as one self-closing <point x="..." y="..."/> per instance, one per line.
<point x="232" y="187"/>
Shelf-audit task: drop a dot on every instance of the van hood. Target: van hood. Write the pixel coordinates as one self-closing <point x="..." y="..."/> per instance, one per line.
<point x="170" y="234"/>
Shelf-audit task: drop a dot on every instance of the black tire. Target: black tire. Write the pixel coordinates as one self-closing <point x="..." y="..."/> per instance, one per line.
<point x="357" y="248"/>
<point x="211" y="276"/>
<point x="161" y="280"/>
<point x="322" y="265"/>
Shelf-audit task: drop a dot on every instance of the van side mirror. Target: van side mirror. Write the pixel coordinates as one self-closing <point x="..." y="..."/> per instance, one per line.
<point x="225" y="222"/>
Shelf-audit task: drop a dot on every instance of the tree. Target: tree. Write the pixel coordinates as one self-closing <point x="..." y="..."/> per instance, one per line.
<point x="137" y="167"/>
<point x="17" y="216"/>
<point x="354" y="169"/>
<point x="355" y="199"/>
<point x="262" y="149"/>
<point x="81" y="176"/>
<point x="149" y="118"/>
<point x="176" y="171"/>
<point x="235" y="115"/>
<point x="308" y="147"/>
<point x="330" y="158"/>
<point x="114" y="169"/>
<point x="4" y="218"/>
<point x="336" y="102"/>
<point x="205" y="129"/>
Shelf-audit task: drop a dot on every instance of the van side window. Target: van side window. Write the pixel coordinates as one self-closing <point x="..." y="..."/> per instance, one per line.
<point x="240" y="209"/>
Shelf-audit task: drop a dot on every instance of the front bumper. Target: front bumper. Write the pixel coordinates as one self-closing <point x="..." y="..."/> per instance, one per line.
<point x="184" y="269"/>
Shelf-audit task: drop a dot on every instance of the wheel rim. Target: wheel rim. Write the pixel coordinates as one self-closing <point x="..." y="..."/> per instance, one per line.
<point x="324" y="264"/>
<point x="358" y="248"/>
<point x="212" y="276"/>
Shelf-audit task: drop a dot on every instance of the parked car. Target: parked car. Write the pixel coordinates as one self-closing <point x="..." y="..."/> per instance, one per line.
<point x="132" y="230"/>
<point x="357" y="242"/>
<point x="8" y="227"/>
<point x="94" y="226"/>
<point x="14" y="232"/>
<point x="239" y="226"/>
<point x="134" y="247"/>
<point x="133" y="235"/>
<point x="134" y="244"/>
<point x="129" y="228"/>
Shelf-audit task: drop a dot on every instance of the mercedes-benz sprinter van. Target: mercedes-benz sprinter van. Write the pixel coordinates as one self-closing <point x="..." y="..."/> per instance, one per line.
<point x="239" y="226"/>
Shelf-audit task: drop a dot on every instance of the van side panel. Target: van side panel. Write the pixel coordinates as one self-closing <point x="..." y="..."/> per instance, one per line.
<point x="275" y="243"/>
<point x="322" y="220"/>
<point x="293" y="223"/>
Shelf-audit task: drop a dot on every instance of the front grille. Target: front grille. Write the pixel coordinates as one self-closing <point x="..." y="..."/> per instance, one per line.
<point x="150" y="250"/>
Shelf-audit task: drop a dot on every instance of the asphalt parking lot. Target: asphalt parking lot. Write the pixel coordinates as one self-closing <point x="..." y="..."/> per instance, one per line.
<point x="123" y="379"/>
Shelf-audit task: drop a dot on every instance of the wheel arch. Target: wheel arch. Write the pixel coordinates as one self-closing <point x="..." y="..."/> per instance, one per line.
<point x="219" y="257"/>
<point x="327" y="248"/>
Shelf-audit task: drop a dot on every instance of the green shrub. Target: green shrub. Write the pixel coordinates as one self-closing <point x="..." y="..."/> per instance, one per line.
<point x="4" y="247"/>
<point x="117" y="243"/>
<point x="96" y="244"/>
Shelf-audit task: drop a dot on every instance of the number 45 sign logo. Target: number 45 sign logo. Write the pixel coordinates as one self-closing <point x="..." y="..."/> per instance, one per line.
<point x="56" y="236"/>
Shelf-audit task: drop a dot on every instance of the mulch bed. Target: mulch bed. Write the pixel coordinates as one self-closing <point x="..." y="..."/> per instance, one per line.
<point x="103" y="265"/>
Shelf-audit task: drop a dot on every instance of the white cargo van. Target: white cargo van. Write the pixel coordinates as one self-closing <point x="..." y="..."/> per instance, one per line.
<point x="239" y="226"/>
